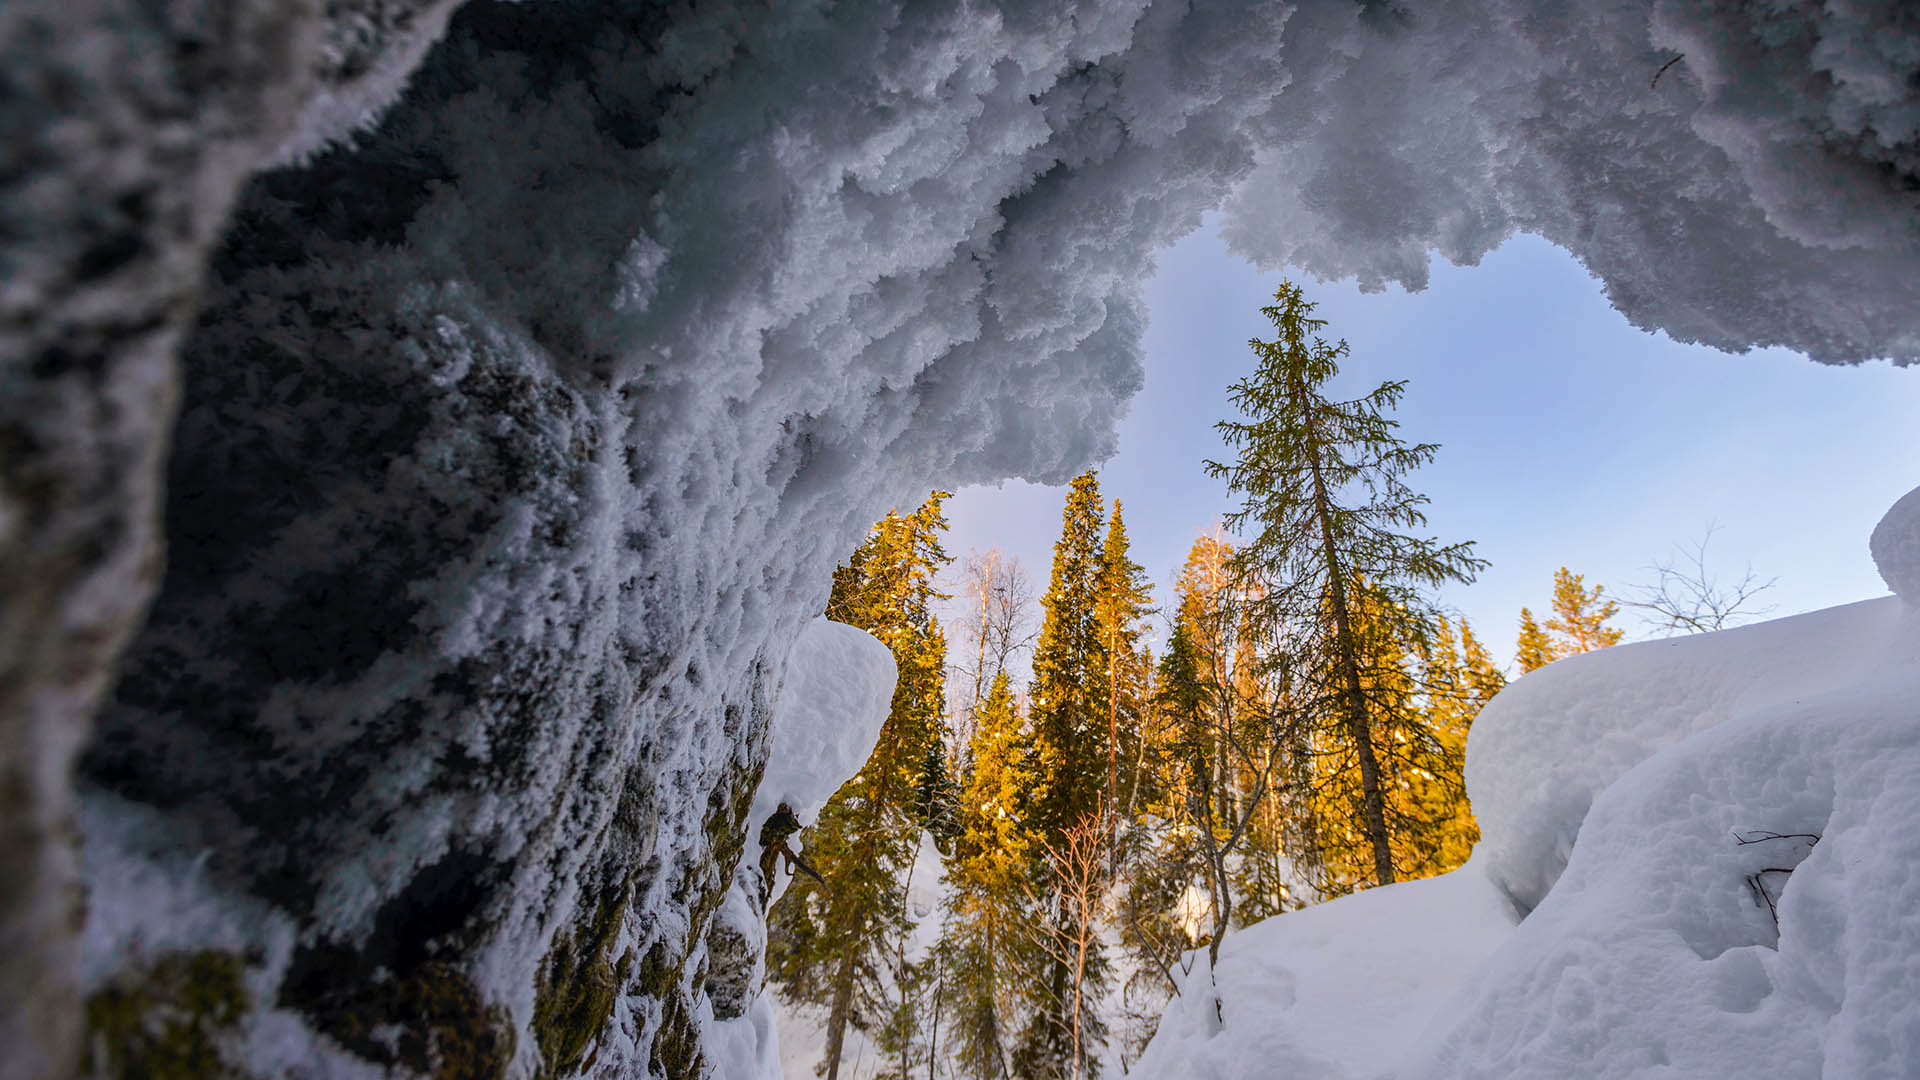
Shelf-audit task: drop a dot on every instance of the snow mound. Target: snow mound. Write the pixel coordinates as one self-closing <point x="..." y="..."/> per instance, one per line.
<point x="1896" y="547"/>
<point x="828" y="714"/>
<point x="1548" y="744"/>
<point x="1658" y="951"/>
<point x="1298" y="995"/>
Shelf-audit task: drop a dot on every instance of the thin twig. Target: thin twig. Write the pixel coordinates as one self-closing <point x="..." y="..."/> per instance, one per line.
<point x="1663" y="70"/>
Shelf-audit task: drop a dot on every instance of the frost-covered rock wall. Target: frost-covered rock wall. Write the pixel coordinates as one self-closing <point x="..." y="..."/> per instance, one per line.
<point x="518" y="436"/>
<point x="125" y="131"/>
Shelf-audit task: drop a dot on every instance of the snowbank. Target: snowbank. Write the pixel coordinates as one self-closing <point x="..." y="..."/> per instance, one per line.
<point x="1710" y="839"/>
<point x="1337" y="990"/>
<point x="829" y="711"/>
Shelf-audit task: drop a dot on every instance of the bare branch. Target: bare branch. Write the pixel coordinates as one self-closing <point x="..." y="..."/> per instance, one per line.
<point x="1687" y="597"/>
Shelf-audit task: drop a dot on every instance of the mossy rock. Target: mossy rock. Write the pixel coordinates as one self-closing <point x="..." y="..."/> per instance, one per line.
<point x="431" y="1020"/>
<point x="170" y="1020"/>
<point x="579" y="984"/>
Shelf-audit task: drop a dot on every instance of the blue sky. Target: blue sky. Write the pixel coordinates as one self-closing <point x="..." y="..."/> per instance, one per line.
<point x="1567" y="435"/>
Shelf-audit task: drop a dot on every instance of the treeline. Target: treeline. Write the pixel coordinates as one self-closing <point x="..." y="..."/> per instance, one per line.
<point x="1298" y="735"/>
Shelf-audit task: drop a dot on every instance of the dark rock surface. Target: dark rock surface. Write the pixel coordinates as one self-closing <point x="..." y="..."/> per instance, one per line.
<point x="125" y="131"/>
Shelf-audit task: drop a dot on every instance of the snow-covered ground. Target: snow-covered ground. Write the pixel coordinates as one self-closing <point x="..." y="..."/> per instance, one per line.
<point x="1699" y="860"/>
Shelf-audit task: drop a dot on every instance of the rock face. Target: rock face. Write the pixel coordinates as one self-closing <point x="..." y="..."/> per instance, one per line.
<point x="127" y="130"/>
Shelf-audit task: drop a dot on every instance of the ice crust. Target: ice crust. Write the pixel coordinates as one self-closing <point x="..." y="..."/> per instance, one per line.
<point x="1645" y="809"/>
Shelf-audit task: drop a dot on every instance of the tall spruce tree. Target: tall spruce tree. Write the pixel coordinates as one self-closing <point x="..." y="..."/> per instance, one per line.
<point x="1120" y="610"/>
<point x="1458" y="679"/>
<point x="1327" y="511"/>
<point x="837" y="942"/>
<point x="1419" y="767"/>
<point x="1069" y="699"/>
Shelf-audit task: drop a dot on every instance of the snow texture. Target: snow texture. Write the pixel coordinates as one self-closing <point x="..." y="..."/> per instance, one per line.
<point x="1338" y="990"/>
<point x="1697" y="860"/>
<point x="1762" y="191"/>
<point x="826" y="719"/>
<point x="518" y="438"/>
<point x="1896" y="547"/>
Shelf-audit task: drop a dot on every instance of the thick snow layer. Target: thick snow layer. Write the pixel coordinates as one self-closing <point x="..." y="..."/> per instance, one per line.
<point x="826" y="717"/>
<point x="1337" y="990"/>
<point x="1549" y="743"/>
<point x="1762" y="190"/>
<point x="1657" y="954"/>
<point x="1711" y="841"/>
<point x="1896" y="547"/>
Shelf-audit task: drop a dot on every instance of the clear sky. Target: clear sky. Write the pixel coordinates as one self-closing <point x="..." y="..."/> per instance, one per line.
<point x="1567" y="436"/>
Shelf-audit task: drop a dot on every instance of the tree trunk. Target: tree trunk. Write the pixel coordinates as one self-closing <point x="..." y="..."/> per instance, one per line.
<point x="837" y="1016"/>
<point x="1373" y="803"/>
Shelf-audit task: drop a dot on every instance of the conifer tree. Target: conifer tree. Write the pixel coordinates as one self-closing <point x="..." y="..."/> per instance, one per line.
<point x="1328" y="509"/>
<point x="1482" y="678"/>
<point x="1120" y="611"/>
<point x="985" y="928"/>
<point x="1534" y="649"/>
<point x="1580" y="615"/>
<point x="836" y="942"/>
<point x="1069" y="698"/>
<point x="1069" y="693"/>
<point x="1420" y="765"/>
<point x="1453" y="687"/>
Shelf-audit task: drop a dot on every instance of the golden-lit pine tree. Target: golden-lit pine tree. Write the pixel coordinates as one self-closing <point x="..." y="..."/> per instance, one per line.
<point x="1459" y="679"/>
<point x="1580" y="615"/>
<point x="1121" y="606"/>
<point x="1068" y="708"/>
<point x="1325" y="501"/>
<point x="986" y="932"/>
<point x="1534" y="649"/>
<point x="1420" y="763"/>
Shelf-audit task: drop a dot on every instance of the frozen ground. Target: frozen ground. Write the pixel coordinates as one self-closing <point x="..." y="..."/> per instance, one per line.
<point x="1711" y="842"/>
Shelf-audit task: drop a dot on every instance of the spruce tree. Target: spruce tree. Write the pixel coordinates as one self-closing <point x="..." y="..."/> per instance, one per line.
<point x="1327" y="511"/>
<point x="985" y="932"/>
<point x="1481" y="676"/>
<point x="1453" y="700"/>
<point x="1069" y="698"/>
<point x="837" y="942"/>
<point x="1419" y="766"/>
<point x="1069" y="693"/>
<point x="1580" y="615"/>
<point x="1534" y="649"/>
<point x="1120" y="612"/>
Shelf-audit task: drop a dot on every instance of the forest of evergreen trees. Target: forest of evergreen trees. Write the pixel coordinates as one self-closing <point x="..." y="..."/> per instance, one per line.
<point x="1286" y="727"/>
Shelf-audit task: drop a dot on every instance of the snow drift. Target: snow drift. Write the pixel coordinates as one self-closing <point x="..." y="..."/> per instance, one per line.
<point x="1710" y="841"/>
<point x="518" y="437"/>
